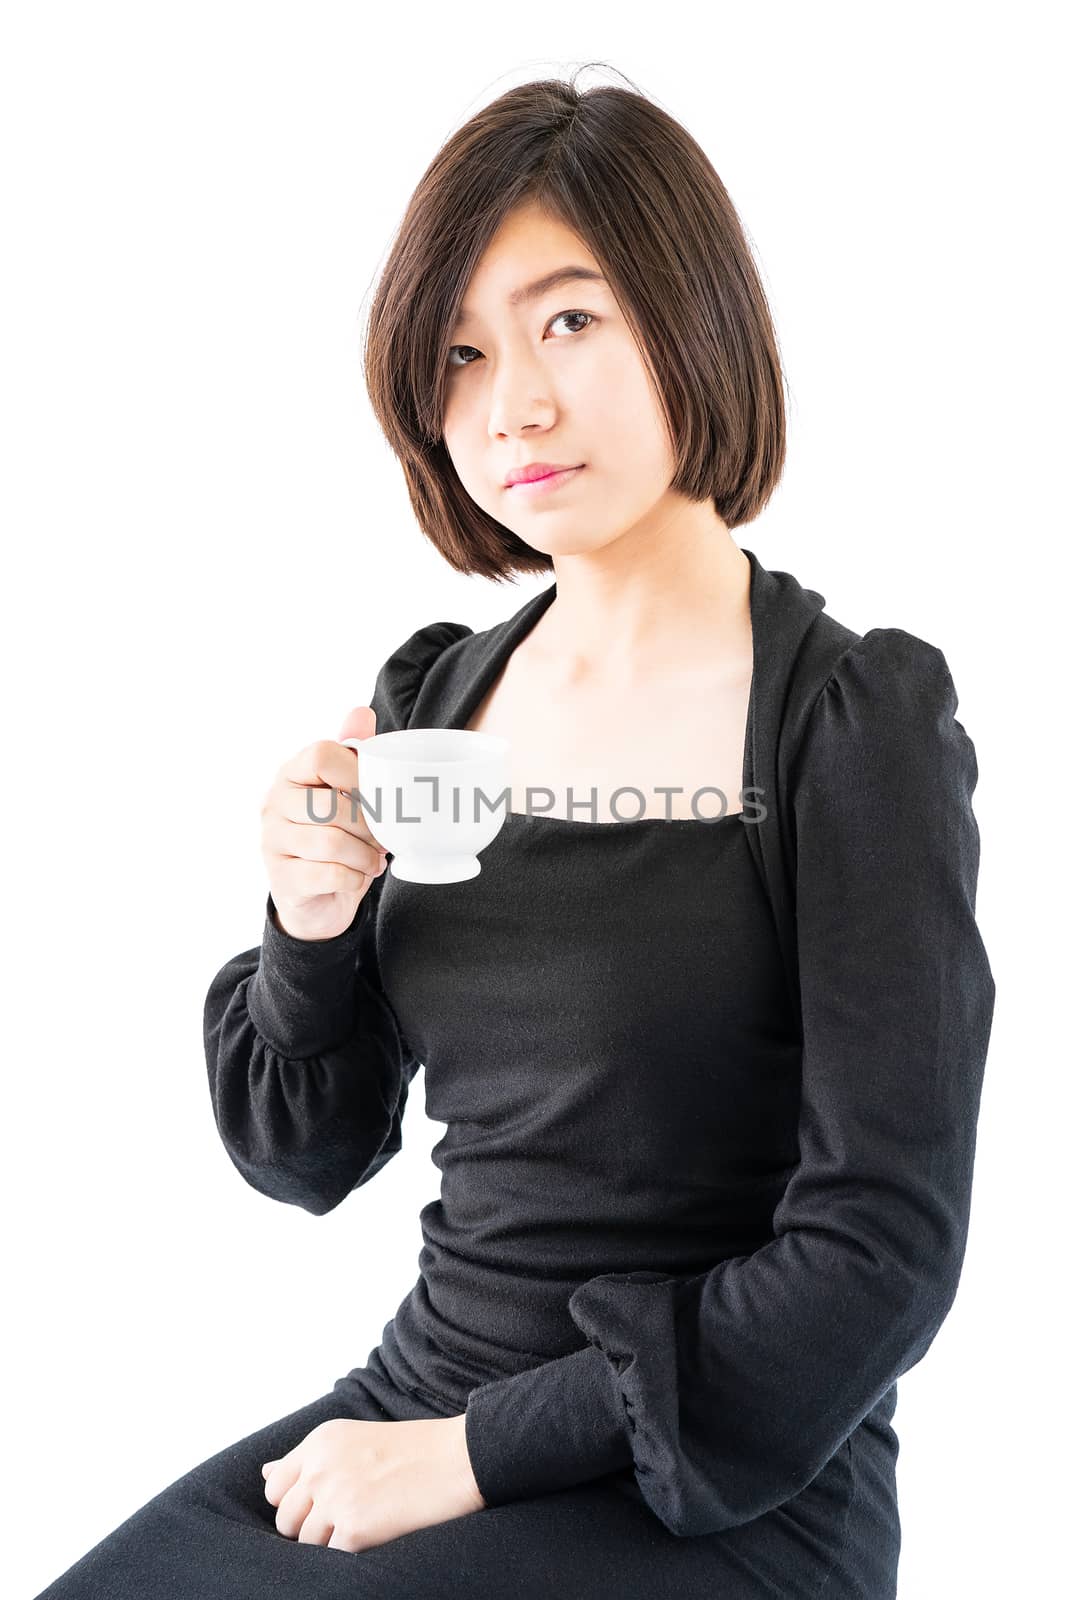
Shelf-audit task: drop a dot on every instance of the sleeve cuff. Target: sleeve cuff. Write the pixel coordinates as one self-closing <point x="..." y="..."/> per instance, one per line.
<point x="548" y="1428"/>
<point x="301" y="996"/>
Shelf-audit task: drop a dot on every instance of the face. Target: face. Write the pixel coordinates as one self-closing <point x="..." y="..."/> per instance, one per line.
<point x="556" y="378"/>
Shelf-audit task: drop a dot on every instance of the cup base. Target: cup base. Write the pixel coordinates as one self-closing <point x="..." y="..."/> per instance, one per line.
<point x="434" y="869"/>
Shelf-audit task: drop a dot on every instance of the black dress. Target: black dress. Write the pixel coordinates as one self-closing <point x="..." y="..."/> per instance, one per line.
<point x="665" y="1268"/>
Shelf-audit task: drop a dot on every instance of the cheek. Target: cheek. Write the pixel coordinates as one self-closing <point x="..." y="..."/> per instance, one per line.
<point x="466" y="448"/>
<point x="619" y="381"/>
<point x="620" y="417"/>
<point x="460" y="432"/>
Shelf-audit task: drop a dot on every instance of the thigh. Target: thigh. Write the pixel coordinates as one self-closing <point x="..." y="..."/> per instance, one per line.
<point x="211" y="1535"/>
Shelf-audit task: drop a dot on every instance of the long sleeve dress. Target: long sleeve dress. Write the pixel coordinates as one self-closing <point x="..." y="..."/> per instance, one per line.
<point x="707" y="1164"/>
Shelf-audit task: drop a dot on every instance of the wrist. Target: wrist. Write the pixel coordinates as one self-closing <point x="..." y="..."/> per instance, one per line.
<point x="462" y="1462"/>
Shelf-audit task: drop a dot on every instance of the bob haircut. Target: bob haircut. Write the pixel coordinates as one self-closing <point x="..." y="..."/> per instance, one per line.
<point x="642" y="195"/>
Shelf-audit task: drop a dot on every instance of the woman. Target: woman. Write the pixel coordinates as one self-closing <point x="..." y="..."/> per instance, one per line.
<point x="708" y="1031"/>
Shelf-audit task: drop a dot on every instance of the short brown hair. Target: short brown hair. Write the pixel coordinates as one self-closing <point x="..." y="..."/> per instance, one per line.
<point x="640" y="192"/>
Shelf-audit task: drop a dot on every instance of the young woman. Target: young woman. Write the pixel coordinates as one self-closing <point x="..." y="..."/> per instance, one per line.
<point x="707" y="1032"/>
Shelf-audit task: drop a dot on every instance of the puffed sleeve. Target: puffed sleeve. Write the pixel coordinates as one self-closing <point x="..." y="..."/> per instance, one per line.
<point x="307" y="1067"/>
<point x="728" y="1391"/>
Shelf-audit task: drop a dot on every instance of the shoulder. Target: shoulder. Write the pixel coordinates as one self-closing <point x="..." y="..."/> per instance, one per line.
<point x="884" y="721"/>
<point x="401" y="677"/>
<point x="890" y="672"/>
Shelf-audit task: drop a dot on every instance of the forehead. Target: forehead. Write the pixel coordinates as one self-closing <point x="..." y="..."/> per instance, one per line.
<point x="523" y="293"/>
<point x="531" y="253"/>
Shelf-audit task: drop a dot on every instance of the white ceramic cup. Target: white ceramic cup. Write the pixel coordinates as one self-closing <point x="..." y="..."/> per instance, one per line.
<point x="434" y="797"/>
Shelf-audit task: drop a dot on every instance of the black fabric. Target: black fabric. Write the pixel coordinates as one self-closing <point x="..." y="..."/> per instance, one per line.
<point x="211" y="1535"/>
<point x="710" y="1094"/>
<point x="604" y="1021"/>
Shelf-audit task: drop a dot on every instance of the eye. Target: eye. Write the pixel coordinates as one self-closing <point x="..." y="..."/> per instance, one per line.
<point x="459" y="348"/>
<point x="589" y="318"/>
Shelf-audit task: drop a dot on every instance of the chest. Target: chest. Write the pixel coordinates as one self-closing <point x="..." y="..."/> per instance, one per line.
<point x="607" y="995"/>
<point x="684" y="733"/>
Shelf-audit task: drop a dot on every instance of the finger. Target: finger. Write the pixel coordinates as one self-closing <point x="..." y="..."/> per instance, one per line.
<point x="326" y="763"/>
<point x="308" y="842"/>
<point x="281" y="1476"/>
<point x="317" y="1529"/>
<point x="360" y="723"/>
<point x="292" y="1510"/>
<point x="295" y="880"/>
<point x="324" y="808"/>
<point x="345" y="1541"/>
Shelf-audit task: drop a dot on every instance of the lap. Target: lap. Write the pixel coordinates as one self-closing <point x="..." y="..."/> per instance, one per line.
<point x="211" y="1535"/>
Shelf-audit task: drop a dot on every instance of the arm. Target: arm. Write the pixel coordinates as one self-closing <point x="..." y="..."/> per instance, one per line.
<point x="738" y="1385"/>
<point x="307" y="1068"/>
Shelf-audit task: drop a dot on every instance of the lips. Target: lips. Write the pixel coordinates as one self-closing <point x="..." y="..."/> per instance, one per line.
<point x="536" y="470"/>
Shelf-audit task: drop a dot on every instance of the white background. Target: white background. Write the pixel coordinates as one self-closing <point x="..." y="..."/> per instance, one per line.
<point x="209" y="552"/>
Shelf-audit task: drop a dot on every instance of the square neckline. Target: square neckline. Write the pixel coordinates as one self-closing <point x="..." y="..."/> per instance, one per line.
<point x="509" y="635"/>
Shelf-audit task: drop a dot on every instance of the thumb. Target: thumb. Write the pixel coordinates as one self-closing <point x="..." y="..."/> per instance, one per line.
<point x="361" y="723"/>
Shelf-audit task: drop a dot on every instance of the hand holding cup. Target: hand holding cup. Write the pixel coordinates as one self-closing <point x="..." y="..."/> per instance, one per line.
<point x="320" y="871"/>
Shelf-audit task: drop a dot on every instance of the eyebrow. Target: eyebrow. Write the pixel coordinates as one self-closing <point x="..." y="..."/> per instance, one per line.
<point x="533" y="291"/>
